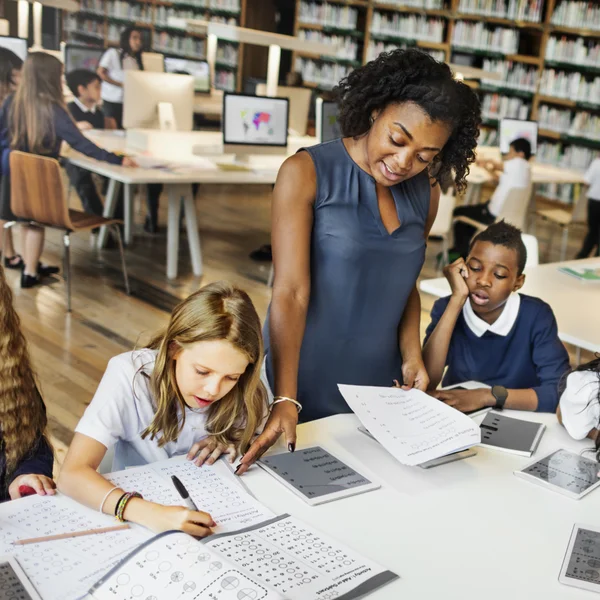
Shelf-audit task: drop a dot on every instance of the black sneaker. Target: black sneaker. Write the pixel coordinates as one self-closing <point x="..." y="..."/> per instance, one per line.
<point x="45" y="270"/>
<point x="29" y="281"/>
<point x="13" y="262"/>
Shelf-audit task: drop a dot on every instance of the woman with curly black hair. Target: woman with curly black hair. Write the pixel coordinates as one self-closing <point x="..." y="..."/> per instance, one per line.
<point x="350" y="223"/>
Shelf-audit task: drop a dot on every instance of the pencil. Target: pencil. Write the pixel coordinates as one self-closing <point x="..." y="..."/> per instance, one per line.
<point x="64" y="536"/>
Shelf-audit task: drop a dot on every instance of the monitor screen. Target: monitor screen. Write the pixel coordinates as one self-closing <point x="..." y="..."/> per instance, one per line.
<point x="511" y="129"/>
<point x="82" y="57"/>
<point x="15" y="44"/>
<point x="330" y="129"/>
<point x="255" y="120"/>
<point x="198" y="69"/>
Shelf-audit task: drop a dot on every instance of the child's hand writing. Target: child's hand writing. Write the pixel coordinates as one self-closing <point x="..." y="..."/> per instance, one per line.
<point x="43" y="486"/>
<point x="161" y="518"/>
<point x="456" y="274"/>
<point x="209" y="450"/>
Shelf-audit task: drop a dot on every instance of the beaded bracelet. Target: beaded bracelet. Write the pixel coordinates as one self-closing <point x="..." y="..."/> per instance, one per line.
<point x="123" y="502"/>
<point x="279" y="399"/>
<point x="119" y="502"/>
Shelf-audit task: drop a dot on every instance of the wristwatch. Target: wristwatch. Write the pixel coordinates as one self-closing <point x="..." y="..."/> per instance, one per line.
<point x="501" y="394"/>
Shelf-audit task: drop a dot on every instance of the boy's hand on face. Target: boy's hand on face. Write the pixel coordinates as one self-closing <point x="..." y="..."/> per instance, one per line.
<point x="456" y="274"/>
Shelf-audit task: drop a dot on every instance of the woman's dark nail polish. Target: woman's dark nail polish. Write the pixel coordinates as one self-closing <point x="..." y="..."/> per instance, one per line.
<point x="238" y="468"/>
<point x="291" y="447"/>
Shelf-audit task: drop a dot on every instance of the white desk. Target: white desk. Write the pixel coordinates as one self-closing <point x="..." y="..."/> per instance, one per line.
<point x="575" y="303"/>
<point x="195" y="169"/>
<point x="462" y="531"/>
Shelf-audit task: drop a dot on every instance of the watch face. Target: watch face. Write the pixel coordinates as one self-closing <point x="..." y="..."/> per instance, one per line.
<point x="500" y="393"/>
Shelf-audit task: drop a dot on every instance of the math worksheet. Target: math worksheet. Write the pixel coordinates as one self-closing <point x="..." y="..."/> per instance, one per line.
<point x="411" y="425"/>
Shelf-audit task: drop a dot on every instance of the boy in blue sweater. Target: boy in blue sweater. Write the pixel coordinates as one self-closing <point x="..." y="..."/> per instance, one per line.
<point x="487" y="332"/>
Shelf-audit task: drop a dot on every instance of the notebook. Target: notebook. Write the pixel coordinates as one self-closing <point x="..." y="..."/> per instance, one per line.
<point x="510" y="434"/>
<point x="581" y="565"/>
<point x="588" y="273"/>
<point x="281" y="558"/>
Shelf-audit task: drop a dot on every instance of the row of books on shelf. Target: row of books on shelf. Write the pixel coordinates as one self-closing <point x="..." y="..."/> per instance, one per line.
<point x="565" y="193"/>
<point x="164" y="13"/>
<point x="225" y="80"/>
<point x="375" y="48"/>
<point x="568" y="156"/>
<point x="137" y="11"/>
<point x="578" y="52"/>
<point x="478" y="36"/>
<point x="408" y="26"/>
<point x="515" y="75"/>
<point x="425" y="4"/>
<point x="569" y="13"/>
<point x="77" y="25"/>
<point x="318" y="13"/>
<point x="342" y="46"/>
<point x="522" y="10"/>
<point x="323" y="75"/>
<point x="489" y="136"/>
<point x="93" y="6"/>
<point x="580" y="124"/>
<point x="187" y="47"/>
<point x="570" y="86"/>
<point x="496" y="106"/>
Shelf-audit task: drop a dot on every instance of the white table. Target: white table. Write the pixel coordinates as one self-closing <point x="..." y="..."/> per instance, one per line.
<point x="462" y="531"/>
<point x="575" y="303"/>
<point x="177" y="149"/>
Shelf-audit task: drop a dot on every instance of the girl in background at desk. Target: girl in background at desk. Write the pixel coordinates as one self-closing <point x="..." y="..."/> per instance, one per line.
<point x="195" y="389"/>
<point x="10" y="75"/>
<point x="26" y="457"/>
<point x="35" y="119"/>
<point x="579" y="408"/>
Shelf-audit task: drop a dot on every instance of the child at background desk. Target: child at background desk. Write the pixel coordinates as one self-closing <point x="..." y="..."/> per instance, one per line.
<point x="195" y="389"/>
<point x="485" y="331"/>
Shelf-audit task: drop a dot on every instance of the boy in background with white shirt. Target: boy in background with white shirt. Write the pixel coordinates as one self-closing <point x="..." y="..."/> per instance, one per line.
<point x="592" y="178"/>
<point x="515" y="172"/>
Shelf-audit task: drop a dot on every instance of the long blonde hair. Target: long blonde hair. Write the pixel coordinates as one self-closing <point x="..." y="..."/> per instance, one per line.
<point x="219" y="311"/>
<point x="22" y="413"/>
<point x="32" y="111"/>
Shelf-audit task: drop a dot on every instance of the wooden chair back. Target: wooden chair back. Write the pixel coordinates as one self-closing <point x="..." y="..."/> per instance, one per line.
<point x="443" y="220"/>
<point x="37" y="191"/>
<point x="516" y="206"/>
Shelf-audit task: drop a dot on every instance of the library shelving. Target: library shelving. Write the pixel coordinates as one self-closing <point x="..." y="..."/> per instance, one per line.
<point x="99" y="22"/>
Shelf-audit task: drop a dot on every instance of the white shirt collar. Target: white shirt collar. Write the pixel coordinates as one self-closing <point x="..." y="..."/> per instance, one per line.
<point x="83" y="107"/>
<point x="503" y="324"/>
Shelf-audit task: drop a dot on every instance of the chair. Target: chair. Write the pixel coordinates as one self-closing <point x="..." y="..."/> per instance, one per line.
<point x="38" y="196"/>
<point x="564" y="219"/>
<point x="532" y="247"/>
<point x="442" y="226"/>
<point x="299" y="98"/>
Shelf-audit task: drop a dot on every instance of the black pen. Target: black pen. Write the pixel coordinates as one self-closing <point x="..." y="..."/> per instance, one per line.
<point x="183" y="493"/>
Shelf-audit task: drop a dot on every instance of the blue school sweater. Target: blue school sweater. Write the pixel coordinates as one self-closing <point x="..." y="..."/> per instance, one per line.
<point x="530" y="356"/>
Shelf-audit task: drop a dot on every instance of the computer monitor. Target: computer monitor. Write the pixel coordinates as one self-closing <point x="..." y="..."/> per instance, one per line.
<point x="327" y="114"/>
<point x="198" y="69"/>
<point x="511" y="129"/>
<point x="15" y="44"/>
<point x="153" y="62"/>
<point x="254" y="124"/>
<point x="82" y="57"/>
<point x="299" y="98"/>
<point x="148" y="94"/>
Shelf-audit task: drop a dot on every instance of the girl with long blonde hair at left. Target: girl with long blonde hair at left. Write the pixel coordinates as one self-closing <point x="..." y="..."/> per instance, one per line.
<point x="195" y="390"/>
<point x="26" y="458"/>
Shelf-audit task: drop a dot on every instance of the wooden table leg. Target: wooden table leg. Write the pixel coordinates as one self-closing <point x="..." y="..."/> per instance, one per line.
<point x="110" y="205"/>
<point x="192" y="231"/>
<point x="128" y="214"/>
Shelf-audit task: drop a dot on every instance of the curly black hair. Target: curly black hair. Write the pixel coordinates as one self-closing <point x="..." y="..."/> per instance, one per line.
<point x="412" y="75"/>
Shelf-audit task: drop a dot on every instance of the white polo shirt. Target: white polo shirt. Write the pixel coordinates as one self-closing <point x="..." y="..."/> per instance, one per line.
<point x="517" y="174"/>
<point x="123" y="407"/>
<point x="502" y="325"/>
<point x="592" y="178"/>
<point x="579" y="404"/>
<point x="111" y="61"/>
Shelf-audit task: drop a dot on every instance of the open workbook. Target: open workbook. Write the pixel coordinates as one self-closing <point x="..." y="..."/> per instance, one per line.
<point x="281" y="558"/>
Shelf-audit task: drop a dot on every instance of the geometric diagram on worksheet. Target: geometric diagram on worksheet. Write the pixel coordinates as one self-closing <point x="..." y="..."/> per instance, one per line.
<point x="231" y="585"/>
<point x="584" y="561"/>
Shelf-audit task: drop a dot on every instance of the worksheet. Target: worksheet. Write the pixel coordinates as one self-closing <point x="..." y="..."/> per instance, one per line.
<point x="213" y="488"/>
<point x="280" y="558"/>
<point x="413" y="426"/>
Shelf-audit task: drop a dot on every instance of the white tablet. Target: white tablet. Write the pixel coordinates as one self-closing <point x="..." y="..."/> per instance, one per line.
<point x="564" y="472"/>
<point x="581" y="564"/>
<point x="316" y="476"/>
<point x="14" y="583"/>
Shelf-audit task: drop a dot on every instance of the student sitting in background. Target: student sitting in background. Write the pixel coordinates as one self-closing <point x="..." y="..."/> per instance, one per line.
<point x="516" y="173"/>
<point x="487" y="332"/>
<point x="194" y="390"/>
<point x="579" y="409"/>
<point x="26" y="458"/>
<point x="36" y="120"/>
<point x="592" y="238"/>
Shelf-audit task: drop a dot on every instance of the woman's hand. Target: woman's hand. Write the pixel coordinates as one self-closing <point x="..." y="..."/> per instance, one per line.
<point x="414" y="374"/>
<point x="283" y="419"/>
<point x="43" y="486"/>
<point x="208" y="450"/>
<point x="456" y="274"/>
<point x="159" y="518"/>
<point x="466" y="400"/>
<point x="129" y="162"/>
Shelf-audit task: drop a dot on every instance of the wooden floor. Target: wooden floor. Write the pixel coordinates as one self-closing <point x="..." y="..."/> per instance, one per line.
<point x="70" y="351"/>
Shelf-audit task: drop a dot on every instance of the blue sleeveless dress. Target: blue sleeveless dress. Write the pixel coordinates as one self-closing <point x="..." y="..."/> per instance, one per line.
<point x="361" y="278"/>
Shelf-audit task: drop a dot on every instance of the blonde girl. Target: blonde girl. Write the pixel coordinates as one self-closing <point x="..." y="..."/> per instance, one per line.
<point x="194" y="390"/>
<point x="26" y="457"/>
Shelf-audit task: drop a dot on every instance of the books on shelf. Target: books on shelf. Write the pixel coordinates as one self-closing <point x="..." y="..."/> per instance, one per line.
<point x="425" y="4"/>
<point x="180" y="44"/>
<point x="323" y="75"/>
<point x="569" y="13"/>
<point x="570" y="85"/>
<point x="521" y="10"/>
<point x="577" y="52"/>
<point x="570" y="156"/>
<point x="342" y="46"/>
<point x="479" y="36"/>
<point x="518" y="76"/>
<point x="375" y="48"/>
<point x="408" y="26"/>
<point x="582" y="124"/>
<point x="333" y="15"/>
<point x="496" y="107"/>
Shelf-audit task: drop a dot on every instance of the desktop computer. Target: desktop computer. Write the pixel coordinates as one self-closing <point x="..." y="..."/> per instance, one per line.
<point x="198" y="69"/>
<point x="158" y="101"/>
<point x="82" y="57"/>
<point x="511" y="129"/>
<point x="327" y="115"/>
<point x="14" y="44"/>
<point x="299" y="98"/>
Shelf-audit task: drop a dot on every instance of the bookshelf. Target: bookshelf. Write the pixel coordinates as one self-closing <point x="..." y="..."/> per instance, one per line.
<point x="547" y="51"/>
<point x="99" y="23"/>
